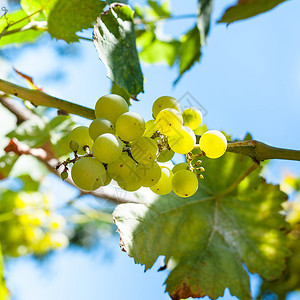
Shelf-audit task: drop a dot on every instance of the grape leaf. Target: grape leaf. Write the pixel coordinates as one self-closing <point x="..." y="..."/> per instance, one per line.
<point x="115" y="89"/>
<point x="7" y="24"/>
<point x="190" y="51"/>
<point x="158" y="9"/>
<point x="4" y="294"/>
<point x="7" y="162"/>
<point x="115" y="41"/>
<point x="203" y="20"/>
<point x="232" y="219"/>
<point x="245" y="9"/>
<point x="70" y="16"/>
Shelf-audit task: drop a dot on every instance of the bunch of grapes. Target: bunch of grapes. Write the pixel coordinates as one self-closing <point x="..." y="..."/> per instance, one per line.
<point x="118" y="145"/>
<point x="30" y="226"/>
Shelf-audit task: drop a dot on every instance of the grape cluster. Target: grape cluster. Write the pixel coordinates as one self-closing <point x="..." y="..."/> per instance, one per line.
<point x="119" y="145"/>
<point x="30" y="226"/>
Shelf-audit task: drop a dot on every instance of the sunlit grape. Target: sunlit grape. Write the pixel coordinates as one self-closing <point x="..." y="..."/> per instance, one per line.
<point x="213" y="143"/>
<point x="81" y="136"/>
<point x="100" y="126"/>
<point x="169" y="121"/>
<point x="184" y="183"/>
<point x="164" y="185"/>
<point x="183" y="142"/>
<point x="165" y="102"/>
<point x="144" y="150"/>
<point x="110" y="107"/>
<point x="192" y="117"/>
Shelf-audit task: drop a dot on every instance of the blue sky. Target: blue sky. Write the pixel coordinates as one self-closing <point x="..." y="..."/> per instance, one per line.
<point x="248" y="81"/>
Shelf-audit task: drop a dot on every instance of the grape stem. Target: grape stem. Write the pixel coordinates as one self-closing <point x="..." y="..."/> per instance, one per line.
<point x="258" y="151"/>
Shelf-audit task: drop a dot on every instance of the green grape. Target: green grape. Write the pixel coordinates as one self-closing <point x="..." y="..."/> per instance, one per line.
<point x="165" y="102"/>
<point x="64" y="175"/>
<point x="110" y="107"/>
<point x="144" y="150"/>
<point x="165" y="155"/>
<point x="122" y="168"/>
<point x="81" y="136"/>
<point x="74" y="146"/>
<point x="184" y="183"/>
<point x="100" y="126"/>
<point x="213" y="143"/>
<point x="130" y="126"/>
<point x="192" y="117"/>
<point x="178" y="167"/>
<point x="149" y="174"/>
<point x="107" y="180"/>
<point x="88" y="173"/>
<point x="164" y="185"/>
<point x="183" y="142"/>
<point x="131" y="183"/>
<point x="169" y="121"/>
<point x="150" y="128"/>
<point x="107" y="148"/>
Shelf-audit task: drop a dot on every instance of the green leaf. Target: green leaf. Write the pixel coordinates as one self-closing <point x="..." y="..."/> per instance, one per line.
<point x="70" y="16"/>
<point x="119" y="1"/>
<point x="28" y="183"/>
<point x="232" y="219"/>
<point x="203" y="20"/>
<point x="115" y="89"/>
<point x="190" y="51"/>
<point x="31" y="132"/>
<point x="21" y="37"/>
<point x="158" y="10"/>
<point x="4" y="294"/>
<point x="245" y="9"/>
<point x="115" y="41"/>
<point x="161" y="51"/>
<point x="7" y="162"/>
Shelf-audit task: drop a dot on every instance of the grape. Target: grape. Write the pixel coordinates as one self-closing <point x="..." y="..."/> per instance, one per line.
<point x="110" y="107"/>
<point x="165" y="155"/>
<point x="122" y="168"/>
<point x="192" y="117"/>
<point x="150" y="128"/>
<point x="183" y="142"/>
<point x="88" y="173"/>
<point x="184" y="183"/>
<point x="164" y="185"/>
<point x="213" y="143"/>
<point x="131" y="183"/>
<point x="169" y="121"/>
<point x="64" y="175"/>
<point x="178" y="167"/>
<point x="100" y="126"/>
<point x="107" y="148"/>
<point x="165" y="102"/>
<point x="144" y="150"/>
<point x="149" y="174"/>
<point x="81" y="136"/>
<point x="130" y="126"/>
<point x="74" y="146"/>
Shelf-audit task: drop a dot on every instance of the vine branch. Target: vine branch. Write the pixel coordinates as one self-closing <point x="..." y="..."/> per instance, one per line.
<point x="258" y="151"/>
<point x="39" y="98"/>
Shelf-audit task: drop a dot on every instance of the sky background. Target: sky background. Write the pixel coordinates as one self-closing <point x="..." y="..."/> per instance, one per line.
<point x="248" y="81"/>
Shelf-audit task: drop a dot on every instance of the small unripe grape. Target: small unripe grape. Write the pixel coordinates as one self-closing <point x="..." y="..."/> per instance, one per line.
<point x="169" y="121"/>
<point x="88" y="173"/>
<point x="150" y="128"/>
<point x="110" y="107"/>
<point x="144" y="150"/>
<point x="165" y="155"/>
<point x="165" y="102"/>
<point x="178" y="167"/>
<point x="107" y="148"/>
<point x="74" y="146"/>
<point x="184" y="183"/>
<point x="192" y="117"/>
<point x="164" y="185"/>
<point x="81" y="136"/>
<point x="130" y="126"/>
<point x="100" y="126"/>
<point x="183" y="142"/>
<point x="213" y="143"/>
<point x="64" y="175"/>
<point x="149" y="174"/>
